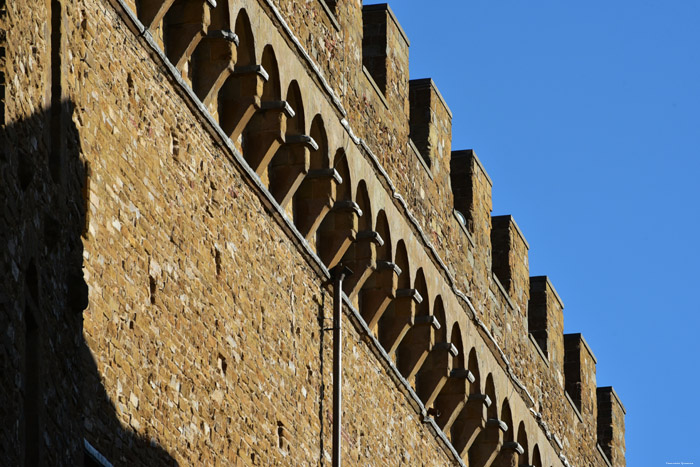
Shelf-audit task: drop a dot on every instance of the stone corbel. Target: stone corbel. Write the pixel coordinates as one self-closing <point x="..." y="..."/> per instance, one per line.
<point x="341" y="231"/>
<point x="435" y="371"/>
<point x="416" y="346"/>
<point x="289" y="166"/>
<point x="379" y="291"/>
<point x="508" y="457"/>
<point x="462" y="374"/>
<point x="488" y="444"/>
<point x="187" y="24"/>
<point x="361" y="257"/>
<point x="470" y="422"/>
<point x="316" y="196"/>
<point x="398" y="319"/>
<point x="151" y="12"/>
<point x="453" y="397"/>
<point x="265" y="134"/>
<point x="239" y="98"/>
<point x="213" y="59"/>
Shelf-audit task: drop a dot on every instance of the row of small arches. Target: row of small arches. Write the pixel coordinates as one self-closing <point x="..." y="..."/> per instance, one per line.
<point x="314" y="186"/>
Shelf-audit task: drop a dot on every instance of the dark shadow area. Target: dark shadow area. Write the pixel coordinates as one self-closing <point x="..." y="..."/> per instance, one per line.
<point x="51" y="392"/>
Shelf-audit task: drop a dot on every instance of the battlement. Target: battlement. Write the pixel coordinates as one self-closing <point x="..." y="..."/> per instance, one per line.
<point x="383" y="42"/>
<point x="430" y="122"/>
<point x="546" y="322"/>
<point x="265" y="143"/>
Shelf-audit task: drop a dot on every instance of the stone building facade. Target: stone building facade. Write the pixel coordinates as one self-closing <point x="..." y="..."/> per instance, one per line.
<point x="178" y="179"/>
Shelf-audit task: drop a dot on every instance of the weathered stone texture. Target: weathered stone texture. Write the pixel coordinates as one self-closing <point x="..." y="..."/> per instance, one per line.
<point x="611" y="425"/>
<point x="165" y="291"/>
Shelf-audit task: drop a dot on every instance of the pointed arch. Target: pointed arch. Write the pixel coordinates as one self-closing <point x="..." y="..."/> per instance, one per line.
<point x="316" y="194"/>
<point x="439" y="314"/>
<point x="471" y="421"/>
<point x="214" y="57"/>
<point x="363" y="200"/>
<point x="291" y="161"/>
<point x="435" y="360"/>
<point x="456" y="340"/>
<point x="423" y="308"/>
<point x="319" y="158"/>
<point x="381" y="225"/>
<point x="401" y="260"/>
<point x="343" y="190"/>
<point x="473" y="367"/>
<point x="338" y="230"/>
<point x="380" y="288"/>
<point x="396" y="320"/>
<point x="487" y="445"/>
<point x="271" y="88"/>
<point x="265" y="132"/>
<point x="419" y="336"/>
<point x="536" y="457"/>
<point x="523" y="459"/>
<point x="361" y="255"/>
<point x="507" y="418"/>
<point x="490" y="390"/>
<point x="239" y="97"/>
<point x="296" y="124"/>
<point x="246" y="40"/>
<point x="453" y="396"/>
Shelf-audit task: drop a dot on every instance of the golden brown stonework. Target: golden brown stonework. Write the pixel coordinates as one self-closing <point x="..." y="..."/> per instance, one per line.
<point x="178" y="178"/>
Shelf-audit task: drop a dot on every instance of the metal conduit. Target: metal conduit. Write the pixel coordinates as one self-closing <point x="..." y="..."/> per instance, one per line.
<point x="338" y="273"/>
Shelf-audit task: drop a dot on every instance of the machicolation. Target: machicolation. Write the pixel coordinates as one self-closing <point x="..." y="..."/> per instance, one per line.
<point x="181" y="180"/>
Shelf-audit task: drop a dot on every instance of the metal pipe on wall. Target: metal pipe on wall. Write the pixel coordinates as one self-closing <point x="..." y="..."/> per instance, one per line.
<point x="338" y="273"/>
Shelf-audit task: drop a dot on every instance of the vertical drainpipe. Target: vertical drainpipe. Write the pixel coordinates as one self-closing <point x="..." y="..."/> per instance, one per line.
<point x="338" y="273"/>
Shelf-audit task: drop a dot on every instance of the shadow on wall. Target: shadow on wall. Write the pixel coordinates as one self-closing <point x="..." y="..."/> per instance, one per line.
<point x="51" y="394"/>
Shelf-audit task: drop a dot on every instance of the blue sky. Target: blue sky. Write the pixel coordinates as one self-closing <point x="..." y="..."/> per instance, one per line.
<point x="586" y="116"/>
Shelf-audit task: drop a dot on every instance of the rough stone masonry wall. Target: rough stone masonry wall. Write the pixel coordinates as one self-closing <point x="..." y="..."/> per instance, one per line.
<point x="184" y="360"/>
<point x="206" y="340"/>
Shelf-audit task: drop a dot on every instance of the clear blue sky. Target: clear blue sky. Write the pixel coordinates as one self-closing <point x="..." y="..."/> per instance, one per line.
<point x="586" y="116"/>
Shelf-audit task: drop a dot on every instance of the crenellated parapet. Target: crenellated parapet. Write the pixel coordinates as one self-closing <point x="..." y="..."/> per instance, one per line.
<point x="430" y="126"/>
<point x="611" y="425"/>
<point x="546" y="323"/>
<point x="298" y="122"/>
<point x="359" y="159"/>
<point x="471" y="187"/>
<point x="579" y="376"/>
<point x="509" y="260"/>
